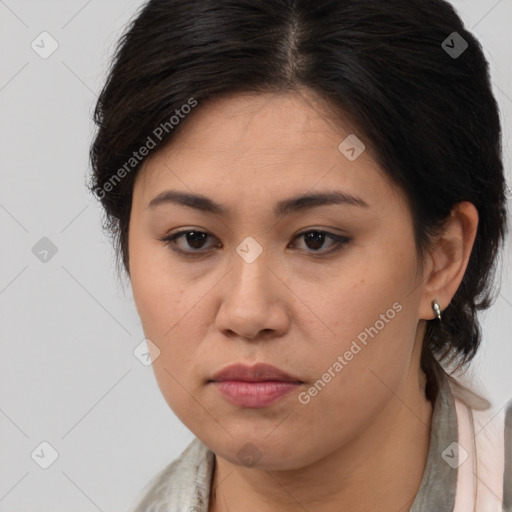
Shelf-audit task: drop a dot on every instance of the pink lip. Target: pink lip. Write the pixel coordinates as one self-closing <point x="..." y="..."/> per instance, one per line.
<point x="257" y="373"/>
<point x="254" y="386"/>
<point x="254" y="394"/>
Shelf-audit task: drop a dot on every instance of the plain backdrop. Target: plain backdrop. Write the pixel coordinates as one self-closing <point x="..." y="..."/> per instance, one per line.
<point x="68" y="375"/>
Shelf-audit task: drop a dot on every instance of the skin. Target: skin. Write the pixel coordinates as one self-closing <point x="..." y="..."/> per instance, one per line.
<point x="362" y="442"/>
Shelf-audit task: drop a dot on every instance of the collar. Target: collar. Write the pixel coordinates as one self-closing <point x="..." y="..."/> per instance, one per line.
<point x="439" y="483"/>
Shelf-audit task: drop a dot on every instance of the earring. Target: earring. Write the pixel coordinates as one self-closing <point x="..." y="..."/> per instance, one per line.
<point x="436" y="308"/>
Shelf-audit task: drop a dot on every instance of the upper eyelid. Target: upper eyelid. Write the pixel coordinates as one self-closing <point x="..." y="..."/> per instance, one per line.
<point x="196" y="230"/>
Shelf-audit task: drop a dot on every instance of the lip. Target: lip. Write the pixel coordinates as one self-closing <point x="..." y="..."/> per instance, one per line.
<point x="254" y="394"/>
<point x="257" y="373"/>
<point x="254" y="386"/>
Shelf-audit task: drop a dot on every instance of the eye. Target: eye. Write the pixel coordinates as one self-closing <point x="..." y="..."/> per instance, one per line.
<point x="192" y="238"/>
<point x="195" y="240"/>
<point x="315" y="239"/>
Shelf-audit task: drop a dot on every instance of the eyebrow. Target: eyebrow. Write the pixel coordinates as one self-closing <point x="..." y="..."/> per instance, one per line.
<point x="282" y="208"/>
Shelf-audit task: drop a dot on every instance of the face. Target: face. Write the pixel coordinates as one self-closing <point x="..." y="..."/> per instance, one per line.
<point x="327" y="291"/>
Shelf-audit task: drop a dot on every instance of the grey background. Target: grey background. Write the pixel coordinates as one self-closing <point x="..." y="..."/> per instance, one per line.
<point x="68" y="327"/>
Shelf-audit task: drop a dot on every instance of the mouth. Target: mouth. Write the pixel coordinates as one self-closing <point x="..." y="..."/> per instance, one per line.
<point x="260" y="372"/>
<point x="254" y="386"/>
<point x="254" y="394"/>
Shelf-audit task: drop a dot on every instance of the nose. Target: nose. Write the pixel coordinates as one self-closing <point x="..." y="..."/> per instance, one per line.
<point x="253" y="303"/>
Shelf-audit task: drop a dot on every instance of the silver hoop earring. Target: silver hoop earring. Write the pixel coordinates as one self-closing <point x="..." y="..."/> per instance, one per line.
<point x="437" y="308"/>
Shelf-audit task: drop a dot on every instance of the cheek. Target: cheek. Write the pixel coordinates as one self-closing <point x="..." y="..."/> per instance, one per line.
<point x="371" y="316"/>
<point x="156" y="294"/>
<point x="351" y="381"/>
<point x="369" y="293"/>
<point x="168" y="323"/>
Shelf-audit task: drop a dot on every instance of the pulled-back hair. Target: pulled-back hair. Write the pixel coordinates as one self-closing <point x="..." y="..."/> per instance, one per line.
<point x="421" y="102"/>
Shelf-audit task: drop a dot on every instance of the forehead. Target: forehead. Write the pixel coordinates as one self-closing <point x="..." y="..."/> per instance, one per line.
<point x="266" y="123"/>
<point x="257" y="146"/>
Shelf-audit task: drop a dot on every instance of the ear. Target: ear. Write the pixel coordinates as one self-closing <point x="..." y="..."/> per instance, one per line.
<point x="448" y="259"/>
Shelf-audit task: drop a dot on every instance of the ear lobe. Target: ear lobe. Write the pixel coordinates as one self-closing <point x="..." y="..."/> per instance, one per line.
<point x="449" y="258"/>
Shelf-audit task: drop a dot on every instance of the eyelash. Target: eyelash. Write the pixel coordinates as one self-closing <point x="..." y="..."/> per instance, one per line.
<point x="339" y="242"/>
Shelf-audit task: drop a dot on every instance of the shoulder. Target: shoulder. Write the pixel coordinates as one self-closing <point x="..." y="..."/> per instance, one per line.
<point x="182" y="485"/>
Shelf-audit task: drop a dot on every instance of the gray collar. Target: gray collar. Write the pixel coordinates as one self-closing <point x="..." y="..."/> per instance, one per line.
<point x="439" y="483"/>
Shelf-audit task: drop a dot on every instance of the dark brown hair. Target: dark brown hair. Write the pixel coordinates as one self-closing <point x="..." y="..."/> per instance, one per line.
<point x="399" y="69"/>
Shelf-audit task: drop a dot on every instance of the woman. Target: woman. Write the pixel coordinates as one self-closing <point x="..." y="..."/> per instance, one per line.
<point x="308" y="198"/>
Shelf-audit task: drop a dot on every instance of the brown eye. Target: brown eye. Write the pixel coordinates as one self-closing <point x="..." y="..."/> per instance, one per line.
<point x="192" y="241"/>
<point x="194" y="238"/>
<point x="315" y="240"/>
